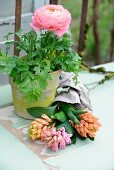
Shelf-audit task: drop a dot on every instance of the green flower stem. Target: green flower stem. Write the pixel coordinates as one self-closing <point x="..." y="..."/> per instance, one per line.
<point x="67" y="108"/>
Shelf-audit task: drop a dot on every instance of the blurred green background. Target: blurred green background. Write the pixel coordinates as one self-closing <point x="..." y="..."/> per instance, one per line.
<point x="105" y="25"/>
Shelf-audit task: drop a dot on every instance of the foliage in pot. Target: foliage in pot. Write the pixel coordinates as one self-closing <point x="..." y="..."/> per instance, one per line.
<point x="47" y="52"/>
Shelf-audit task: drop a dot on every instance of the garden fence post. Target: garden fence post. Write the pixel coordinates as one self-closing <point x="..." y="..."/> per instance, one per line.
<point x="111" y="45"/>
<point x="54" y="2"/>
<point x="95" y="31"/>
<point x="112" y="34"/>
<point x="81" y="40"/>
<point x="18" y="7"/>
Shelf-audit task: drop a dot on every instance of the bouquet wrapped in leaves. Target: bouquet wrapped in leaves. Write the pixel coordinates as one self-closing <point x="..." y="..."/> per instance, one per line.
<point x="69" y="117"/>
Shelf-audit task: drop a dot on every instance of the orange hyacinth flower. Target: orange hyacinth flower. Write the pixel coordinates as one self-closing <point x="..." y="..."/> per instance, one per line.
<point x="88" y="126"/>
<point x="38" y="127"/>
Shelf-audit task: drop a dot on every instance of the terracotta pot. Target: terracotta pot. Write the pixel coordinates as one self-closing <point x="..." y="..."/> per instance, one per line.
<point x="47" y="97"/>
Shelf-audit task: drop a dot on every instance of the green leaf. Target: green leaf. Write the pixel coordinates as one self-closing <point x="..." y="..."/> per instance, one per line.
<point x="25" y="83"/>
<point x="73" y="138"/>
<point x="37" y="70"/>
<point x="68" y="110"/>
<point x="1" y="53"/>
<point x="78" y="111"/>
<point x="22" y="65"/>
<point x="6" y="64"/>
<point x="67" y="126"/>
<point x="31" y="97"/>
<point x="38" y="111"/>
<point x="80" y="137"/>
<point x="30" y="85"/>
<point x="59" y="116"/>
<point x="91" y="138"/>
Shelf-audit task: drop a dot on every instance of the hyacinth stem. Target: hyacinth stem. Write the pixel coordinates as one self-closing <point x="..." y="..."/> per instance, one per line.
<point x="68" y="109"/>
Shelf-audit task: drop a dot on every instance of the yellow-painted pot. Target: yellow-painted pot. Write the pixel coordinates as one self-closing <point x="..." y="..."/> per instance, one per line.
<point x="47" y="97"/>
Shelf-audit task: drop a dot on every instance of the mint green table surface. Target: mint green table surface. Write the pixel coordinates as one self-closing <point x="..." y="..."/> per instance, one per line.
<point x="5" y="95"/>
<point x="16" y="156"/>
<point x="97" y="155"/>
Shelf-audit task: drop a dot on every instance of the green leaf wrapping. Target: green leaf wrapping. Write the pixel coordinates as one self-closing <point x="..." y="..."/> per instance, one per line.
<point x="78" y="111"/>
<point x="73" y="139"/>
<point x="38" y="111"/>
<point x="67" y="126"/>
<point x="67" y="108"/>
<point x="59" y="116"/>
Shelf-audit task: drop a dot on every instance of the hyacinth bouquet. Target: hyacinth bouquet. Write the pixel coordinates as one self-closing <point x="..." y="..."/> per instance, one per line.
<point x="61" y="124"/>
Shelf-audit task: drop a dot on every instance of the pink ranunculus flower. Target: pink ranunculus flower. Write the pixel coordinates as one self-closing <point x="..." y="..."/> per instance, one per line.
<point x="53" y="18"/>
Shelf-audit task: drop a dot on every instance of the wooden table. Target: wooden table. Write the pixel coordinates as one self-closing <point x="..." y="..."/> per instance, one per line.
<point x="85" y="155"/>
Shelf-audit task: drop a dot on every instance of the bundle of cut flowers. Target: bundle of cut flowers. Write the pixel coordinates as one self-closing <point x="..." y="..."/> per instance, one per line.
<point x="60" y="125"/>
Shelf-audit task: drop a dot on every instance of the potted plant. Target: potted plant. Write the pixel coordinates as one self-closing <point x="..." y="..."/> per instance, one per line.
<point x="34" y="77"/>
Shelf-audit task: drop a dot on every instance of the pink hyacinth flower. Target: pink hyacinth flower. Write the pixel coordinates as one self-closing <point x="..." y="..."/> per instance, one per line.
<point x="57" y="139"/>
